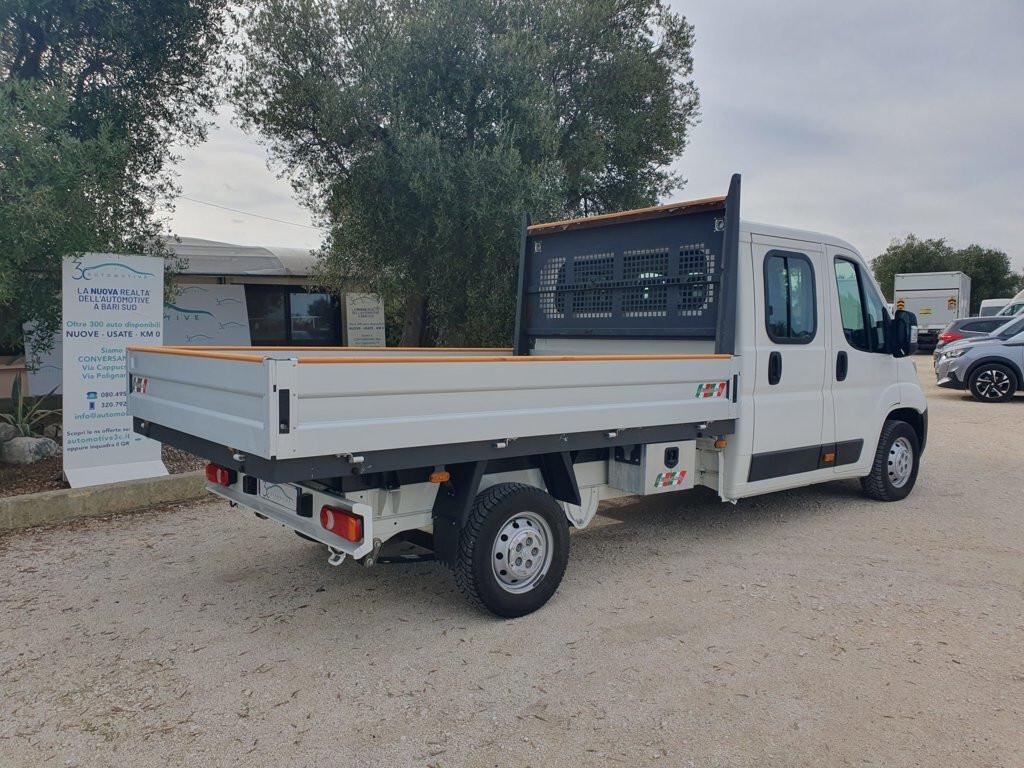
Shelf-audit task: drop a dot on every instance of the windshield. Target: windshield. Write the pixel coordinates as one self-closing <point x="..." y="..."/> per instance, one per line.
<point x="1013" y="308"/>
<point x="1012" y="328"/>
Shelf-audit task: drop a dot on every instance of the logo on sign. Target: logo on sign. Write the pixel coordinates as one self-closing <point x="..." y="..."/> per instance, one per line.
<point x="184" y="313"/>
<point x="106" y="269"/>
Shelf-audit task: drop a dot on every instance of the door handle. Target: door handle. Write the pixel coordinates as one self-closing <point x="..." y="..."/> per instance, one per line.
<point x="842" y="366"/>
<point x="774" y="368"/>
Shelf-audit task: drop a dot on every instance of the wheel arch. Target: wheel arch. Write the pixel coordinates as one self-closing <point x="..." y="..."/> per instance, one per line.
<point x="918" y="420"/>
<point x="466" y="481"/>
<point x="1001" y="361"/>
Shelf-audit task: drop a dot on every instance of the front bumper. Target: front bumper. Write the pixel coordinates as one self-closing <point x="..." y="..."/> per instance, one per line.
<point x="948" y="374"/>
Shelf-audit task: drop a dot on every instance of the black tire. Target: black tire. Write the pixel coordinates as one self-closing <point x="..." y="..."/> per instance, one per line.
<point x="993" y="383"/>
<point x="880" y="484"/>
<point x="495" y="510"/>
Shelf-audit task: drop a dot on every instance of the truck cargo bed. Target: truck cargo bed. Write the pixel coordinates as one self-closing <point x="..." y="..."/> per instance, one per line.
<point x="285" y="407"/>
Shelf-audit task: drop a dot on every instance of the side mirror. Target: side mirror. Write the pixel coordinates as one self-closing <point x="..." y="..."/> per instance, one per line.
<point x="903" y="334"/>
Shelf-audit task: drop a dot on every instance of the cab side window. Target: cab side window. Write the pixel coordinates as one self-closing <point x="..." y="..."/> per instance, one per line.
<point x="860" y="308"/>
<point x="791" y="312"/>
<point x="875" y="312"/>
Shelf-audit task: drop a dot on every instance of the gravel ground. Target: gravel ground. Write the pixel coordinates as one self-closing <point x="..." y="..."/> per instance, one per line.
<point x="810" y="628"/>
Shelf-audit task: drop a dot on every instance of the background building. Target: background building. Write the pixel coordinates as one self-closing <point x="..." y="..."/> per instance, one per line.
<point x="234" y="295"/>
<point x="238" y="294"/>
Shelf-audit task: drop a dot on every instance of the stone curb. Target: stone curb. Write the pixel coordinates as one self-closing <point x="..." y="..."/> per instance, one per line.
<point x="66" y="504"/>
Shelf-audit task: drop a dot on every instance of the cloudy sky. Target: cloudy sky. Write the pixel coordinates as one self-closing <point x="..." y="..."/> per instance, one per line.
<point x="867" y="120"/>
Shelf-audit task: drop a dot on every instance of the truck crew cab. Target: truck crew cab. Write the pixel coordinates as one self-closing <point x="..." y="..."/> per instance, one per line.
<point x="655" y="350"/>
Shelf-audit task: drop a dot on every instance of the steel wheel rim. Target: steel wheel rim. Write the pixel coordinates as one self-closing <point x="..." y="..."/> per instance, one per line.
<point x="521" y="553"/>
<point x="900" y="462"/>
<point x="992" y="384"/>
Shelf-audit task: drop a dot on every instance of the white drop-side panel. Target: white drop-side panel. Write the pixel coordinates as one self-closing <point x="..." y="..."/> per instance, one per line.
<point x="366" y="407"/>
<point x="225" y="401"/>
<point x="343" y="407"/>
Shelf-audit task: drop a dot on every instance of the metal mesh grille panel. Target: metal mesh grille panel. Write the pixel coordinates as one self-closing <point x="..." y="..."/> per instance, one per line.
<point x="647" y="271"/>
<point x="650" y="278"/>
<point x="592" y="276"/>
<point x="551" y="284"/>
<point x="697" y="275"/>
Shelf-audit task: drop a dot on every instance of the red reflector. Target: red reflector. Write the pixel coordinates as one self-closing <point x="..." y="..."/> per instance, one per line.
<point x="948" y="336"/>
<point x="342" y="523"/>
<point x="219" y="475"/>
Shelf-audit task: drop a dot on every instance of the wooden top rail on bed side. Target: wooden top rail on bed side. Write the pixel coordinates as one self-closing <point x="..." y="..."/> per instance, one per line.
<point x="637" y="214"/>
<point x="214" y="353"/>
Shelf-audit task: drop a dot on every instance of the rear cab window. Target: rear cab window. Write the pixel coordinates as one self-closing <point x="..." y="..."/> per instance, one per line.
<point x="791" y="311"/>
<point x="981" y="326"/>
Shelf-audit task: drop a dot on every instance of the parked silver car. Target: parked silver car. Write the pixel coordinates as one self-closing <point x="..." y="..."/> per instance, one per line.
<point x="991" y="367"/>
<point x="968" y="328"/>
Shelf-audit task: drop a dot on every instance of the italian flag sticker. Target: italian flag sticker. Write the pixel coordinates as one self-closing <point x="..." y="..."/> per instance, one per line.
<point x="668" y="479"/>
<point x="711" y="389"/>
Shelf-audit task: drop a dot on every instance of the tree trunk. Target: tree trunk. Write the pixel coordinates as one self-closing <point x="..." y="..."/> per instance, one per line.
<point x="413" y="325"/>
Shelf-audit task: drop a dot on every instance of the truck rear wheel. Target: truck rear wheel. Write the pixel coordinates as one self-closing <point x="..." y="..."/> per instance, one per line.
<point x="897" y="459"/>
<point x="513" y="550"/>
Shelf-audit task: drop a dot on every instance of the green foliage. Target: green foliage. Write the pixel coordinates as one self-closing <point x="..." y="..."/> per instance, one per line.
<point x="911" y="255"/>
<point x="93" y="94"/>
<point x="990" y="270"/>
<point x="421" y="129"/>
<point x="26" y="416"/>
<point x="991" y="273"/>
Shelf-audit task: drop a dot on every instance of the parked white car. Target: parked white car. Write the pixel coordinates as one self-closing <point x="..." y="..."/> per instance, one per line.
<point x="991" y="307"/>
<point x="1015" y="307"/>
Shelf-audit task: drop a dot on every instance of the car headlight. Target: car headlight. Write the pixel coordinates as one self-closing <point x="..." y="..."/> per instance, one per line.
<point x="954" y="353"/>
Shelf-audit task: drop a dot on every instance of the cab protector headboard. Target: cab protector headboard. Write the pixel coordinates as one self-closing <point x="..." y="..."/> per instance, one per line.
<point x="666" y="272"/>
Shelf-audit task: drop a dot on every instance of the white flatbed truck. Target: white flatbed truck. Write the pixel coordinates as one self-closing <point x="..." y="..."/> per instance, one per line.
<point x="655" y="350"/>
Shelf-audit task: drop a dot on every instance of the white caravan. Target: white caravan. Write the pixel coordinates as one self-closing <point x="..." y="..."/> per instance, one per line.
<point x="655" y="350"/>
<point x="1014" y="307"/>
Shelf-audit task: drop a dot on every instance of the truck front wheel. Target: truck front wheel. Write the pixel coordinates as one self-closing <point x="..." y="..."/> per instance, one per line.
<point x="513" y="549"/>
<point x="897" y="459"/>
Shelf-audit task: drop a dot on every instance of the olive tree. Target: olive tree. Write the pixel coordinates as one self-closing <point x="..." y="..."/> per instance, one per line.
<point x="93" y="96"/>
<point x="420" y="130"/>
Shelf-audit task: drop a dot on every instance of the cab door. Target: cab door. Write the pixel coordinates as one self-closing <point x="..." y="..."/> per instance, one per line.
<point x="791" y="343"/>
<point x="863" y="372"/>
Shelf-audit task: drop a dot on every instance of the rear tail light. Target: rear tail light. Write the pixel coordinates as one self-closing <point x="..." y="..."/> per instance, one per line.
<point x="947" y="337"/>
<point x="342" y="523"/>
<point x="219" y="475"/>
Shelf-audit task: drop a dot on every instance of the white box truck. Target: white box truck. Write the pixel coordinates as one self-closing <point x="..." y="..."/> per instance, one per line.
<point x="936" y="298"/>
<point x="655" y="350"/>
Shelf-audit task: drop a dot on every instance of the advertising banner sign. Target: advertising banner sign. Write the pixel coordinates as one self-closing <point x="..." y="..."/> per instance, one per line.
<point x="110" y="302"/>
<point x="207" y="315"/>
<point x="364" y="320"/>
